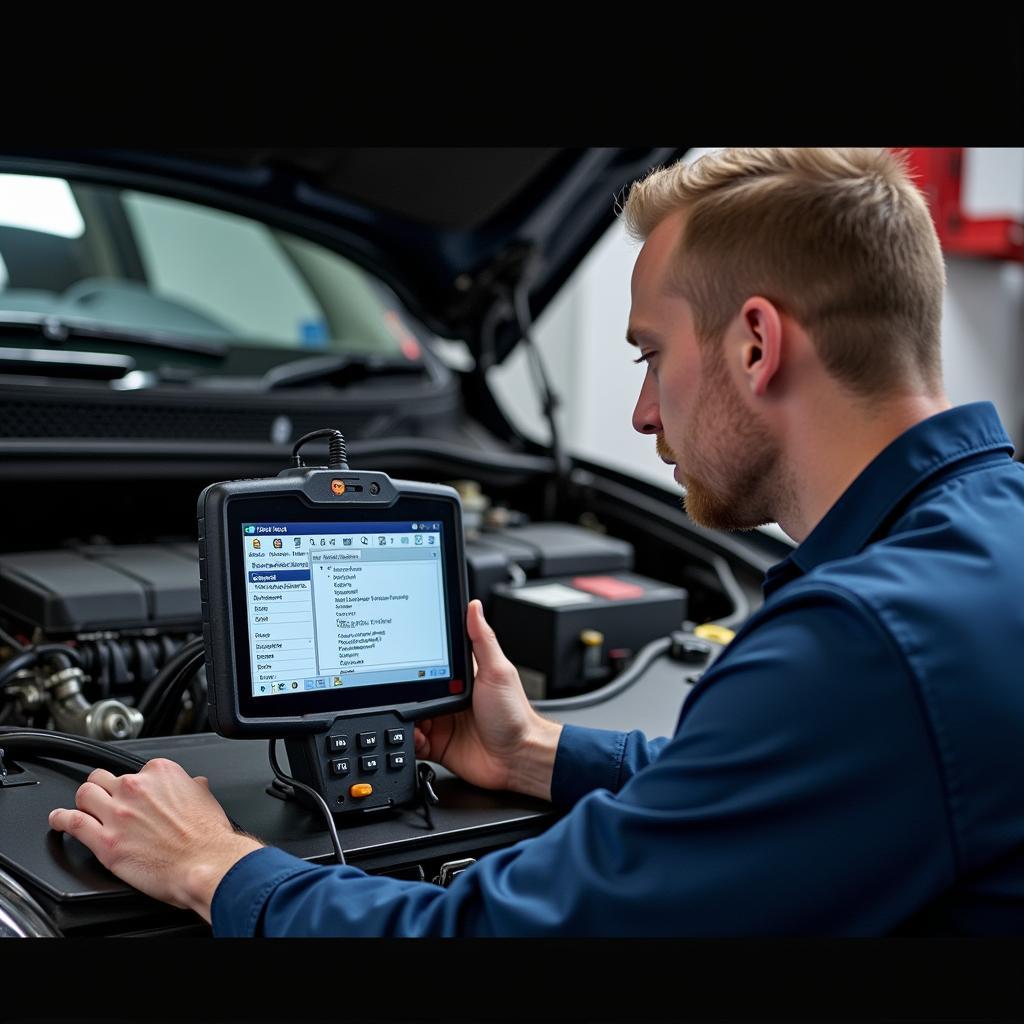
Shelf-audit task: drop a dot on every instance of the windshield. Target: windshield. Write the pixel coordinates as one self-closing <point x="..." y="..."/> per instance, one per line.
<point x="130" y="260"/>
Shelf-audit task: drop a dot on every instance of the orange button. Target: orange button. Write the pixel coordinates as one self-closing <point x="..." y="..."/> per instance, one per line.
<point x="359" y="790"/>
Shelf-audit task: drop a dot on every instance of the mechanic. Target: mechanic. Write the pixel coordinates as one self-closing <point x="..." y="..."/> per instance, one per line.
<point x="851" y="764"/>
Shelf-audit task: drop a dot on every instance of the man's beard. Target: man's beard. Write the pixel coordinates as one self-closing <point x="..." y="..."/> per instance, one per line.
<point x="734" y="478"/>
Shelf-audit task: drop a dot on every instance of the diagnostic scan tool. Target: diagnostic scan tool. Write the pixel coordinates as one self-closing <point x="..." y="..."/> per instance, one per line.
<point x="334" y="617"/>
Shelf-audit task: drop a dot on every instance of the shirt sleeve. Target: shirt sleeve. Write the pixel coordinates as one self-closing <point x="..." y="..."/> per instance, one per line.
<point x="800" y="795"/>
<point x="589" y="759"/>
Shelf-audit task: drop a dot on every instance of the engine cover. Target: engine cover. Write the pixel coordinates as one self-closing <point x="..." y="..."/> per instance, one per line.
<point x="127" y="587"/>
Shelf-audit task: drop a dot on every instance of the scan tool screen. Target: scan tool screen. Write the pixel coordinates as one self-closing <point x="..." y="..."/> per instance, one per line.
<point x="338" y="605"/>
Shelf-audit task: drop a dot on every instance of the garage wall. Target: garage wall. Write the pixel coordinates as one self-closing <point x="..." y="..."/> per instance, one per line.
<point x="581" y="336"/>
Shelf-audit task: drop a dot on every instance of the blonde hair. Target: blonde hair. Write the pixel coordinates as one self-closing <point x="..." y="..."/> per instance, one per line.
<point x="840" y="239"/>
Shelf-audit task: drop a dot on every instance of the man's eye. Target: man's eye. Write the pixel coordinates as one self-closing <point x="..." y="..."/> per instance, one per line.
<point x="643" y="357"/>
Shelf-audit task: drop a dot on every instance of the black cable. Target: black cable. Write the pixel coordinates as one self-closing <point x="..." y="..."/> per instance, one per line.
<point x="167" y="685"/>
<point x="337" y="457"/>
<point x="28" y="658"/>
<point x="21" y="742"/>
<point x="310" y="792"/>
<point x="644" y="659"/>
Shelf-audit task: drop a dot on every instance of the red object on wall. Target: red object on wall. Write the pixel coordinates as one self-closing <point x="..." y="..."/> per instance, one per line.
<point x="938" y="173"/>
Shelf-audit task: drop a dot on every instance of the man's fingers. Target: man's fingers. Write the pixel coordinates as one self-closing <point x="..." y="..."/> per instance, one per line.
<point x="420" y="742"/>
<point x="84" y="827"/>
<point x="93" y="799"/>
<point x="162" y="765"/>
<point x="102" y="778"/>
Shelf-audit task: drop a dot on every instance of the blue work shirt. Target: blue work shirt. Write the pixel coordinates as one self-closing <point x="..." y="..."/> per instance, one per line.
<point x="853" y="764"/>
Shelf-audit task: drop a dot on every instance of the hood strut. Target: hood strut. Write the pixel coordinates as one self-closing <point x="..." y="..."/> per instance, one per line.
<point x="509" y="299"/>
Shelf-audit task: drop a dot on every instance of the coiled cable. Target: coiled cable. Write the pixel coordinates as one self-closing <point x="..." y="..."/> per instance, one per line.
<point x="337" y="452"/>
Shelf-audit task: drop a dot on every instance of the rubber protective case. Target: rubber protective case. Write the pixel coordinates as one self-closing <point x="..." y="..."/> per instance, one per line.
<point x="313" y="488"/>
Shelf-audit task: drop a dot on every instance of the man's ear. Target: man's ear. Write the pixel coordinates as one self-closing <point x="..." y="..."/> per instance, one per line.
<point x="761" y="348"/>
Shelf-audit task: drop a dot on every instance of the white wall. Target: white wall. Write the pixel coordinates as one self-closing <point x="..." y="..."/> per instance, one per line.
<point x="983" y="339"/>
<point x="581" y="337"/>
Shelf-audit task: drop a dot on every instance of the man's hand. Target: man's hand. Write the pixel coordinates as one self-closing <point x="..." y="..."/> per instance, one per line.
<point x="501" y="742"/>
<point x="160" y="830"/>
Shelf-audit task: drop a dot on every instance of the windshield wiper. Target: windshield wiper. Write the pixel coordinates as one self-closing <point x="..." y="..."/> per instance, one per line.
<point x="80" y="365"/>
<point x="343" y="369"/>
<point x="59" y="329"/>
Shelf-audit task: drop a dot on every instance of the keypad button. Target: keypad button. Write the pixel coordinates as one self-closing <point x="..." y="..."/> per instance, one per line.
<point x="367" y="740"/>
<point x="340" y="766"/>
<point x="337" y="744"/>
<point x="397" y="759"/>
<point x="396" y="737"/>
<point x="369" y="762"/>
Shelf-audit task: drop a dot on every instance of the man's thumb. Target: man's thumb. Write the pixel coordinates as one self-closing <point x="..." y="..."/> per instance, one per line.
<point x="486" y="649"/>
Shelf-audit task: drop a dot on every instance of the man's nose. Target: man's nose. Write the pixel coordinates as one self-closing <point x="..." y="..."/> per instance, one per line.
<point x="646" y="416"/>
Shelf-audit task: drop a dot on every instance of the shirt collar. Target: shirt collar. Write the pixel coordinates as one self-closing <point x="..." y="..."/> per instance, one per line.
<point x="917" y="455"/>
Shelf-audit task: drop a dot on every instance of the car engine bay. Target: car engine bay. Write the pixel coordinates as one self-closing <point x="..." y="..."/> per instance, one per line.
<point x="93" y="628"/>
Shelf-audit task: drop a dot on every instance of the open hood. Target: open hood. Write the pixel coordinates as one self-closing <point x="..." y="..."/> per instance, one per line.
<point x="444" y="227"/>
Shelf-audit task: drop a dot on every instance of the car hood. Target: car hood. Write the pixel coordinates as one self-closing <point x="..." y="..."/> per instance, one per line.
<point x="446" y="228"/>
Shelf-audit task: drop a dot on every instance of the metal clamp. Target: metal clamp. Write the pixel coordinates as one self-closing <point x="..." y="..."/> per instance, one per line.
<point x="451" y="869"/>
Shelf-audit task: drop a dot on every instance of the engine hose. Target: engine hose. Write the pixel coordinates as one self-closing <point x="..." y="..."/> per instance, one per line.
<point x="28" y="659"/>
<point x="167" y="685"/>
<point x="197" y="690"/>
<point x="162" y="719"/>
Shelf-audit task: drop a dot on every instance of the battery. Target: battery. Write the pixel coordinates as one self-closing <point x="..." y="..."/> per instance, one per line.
<point x="568" y="634"/>
<point x="541" y="550"/>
